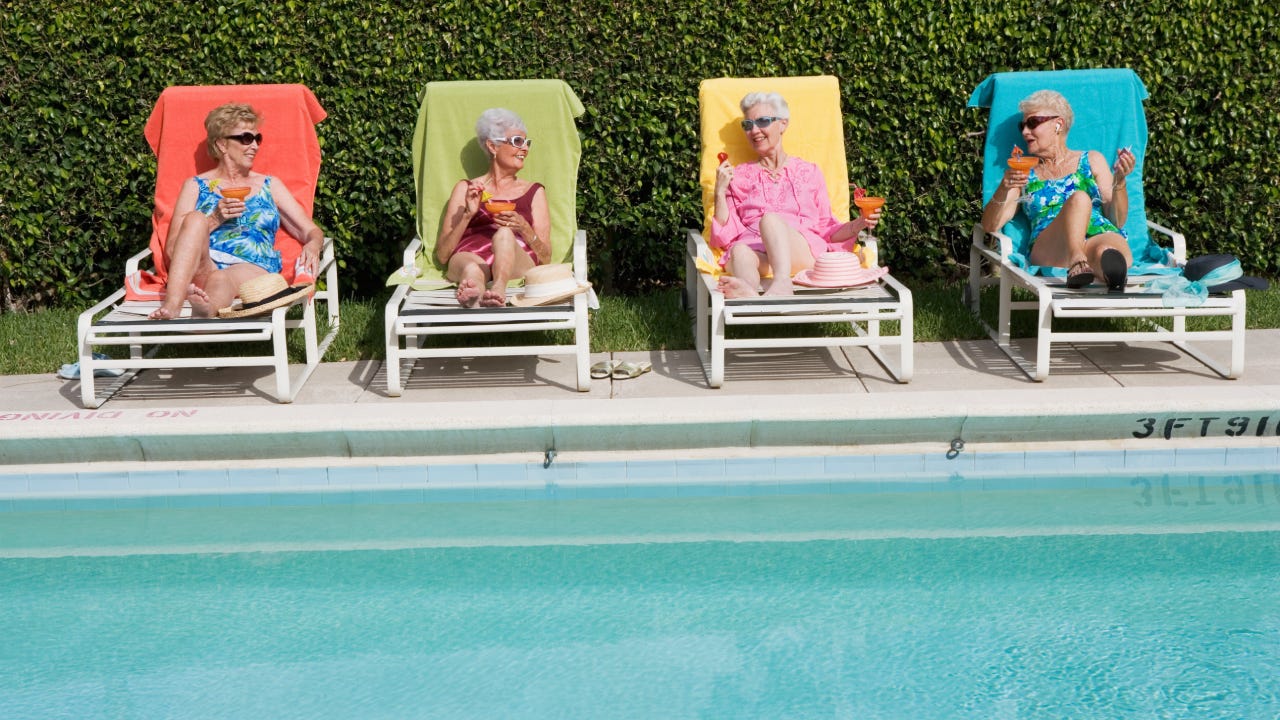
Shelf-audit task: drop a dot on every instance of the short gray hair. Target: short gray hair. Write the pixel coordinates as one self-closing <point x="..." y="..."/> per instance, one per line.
<point x="495" y="122"/>
<point x="1049" y="100"/>
<point x="772" y="99"/>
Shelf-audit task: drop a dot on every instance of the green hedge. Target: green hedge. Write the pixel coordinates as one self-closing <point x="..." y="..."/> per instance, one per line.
<point x="78" y="79"/>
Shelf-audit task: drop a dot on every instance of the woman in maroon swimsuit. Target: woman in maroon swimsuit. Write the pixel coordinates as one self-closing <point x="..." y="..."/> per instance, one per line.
<point x="484" y="246"/>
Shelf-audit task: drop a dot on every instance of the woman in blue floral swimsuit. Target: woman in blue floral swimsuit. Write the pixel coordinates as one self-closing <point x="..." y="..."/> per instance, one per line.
<point x="216" y="241"/>
<point x="1075" y="201"/>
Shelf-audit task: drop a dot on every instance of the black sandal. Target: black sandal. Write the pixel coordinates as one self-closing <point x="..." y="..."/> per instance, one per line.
<point x="1079" y="274"/>
<point x="1114" y="269"/>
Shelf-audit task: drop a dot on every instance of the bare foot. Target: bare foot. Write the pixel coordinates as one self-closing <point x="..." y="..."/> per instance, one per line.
<point x="735" y="287"/>
<point x="495" y="297"/>
<point x="468" y="293"/>
<point x="196" y="296"/>
<point x="780" y="286"/>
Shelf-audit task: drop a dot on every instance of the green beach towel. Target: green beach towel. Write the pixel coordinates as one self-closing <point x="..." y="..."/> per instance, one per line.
<point x="445" y="150"/>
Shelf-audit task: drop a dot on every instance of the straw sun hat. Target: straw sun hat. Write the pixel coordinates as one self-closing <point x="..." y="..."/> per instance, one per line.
<point x="547" y="285"/>
<point x="262" y="294"/>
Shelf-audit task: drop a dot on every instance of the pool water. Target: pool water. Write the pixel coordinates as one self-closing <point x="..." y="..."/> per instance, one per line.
<point x="817" y="606"/>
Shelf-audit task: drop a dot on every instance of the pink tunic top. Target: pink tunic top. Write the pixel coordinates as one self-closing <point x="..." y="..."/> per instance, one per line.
<point x="799" y="195"/>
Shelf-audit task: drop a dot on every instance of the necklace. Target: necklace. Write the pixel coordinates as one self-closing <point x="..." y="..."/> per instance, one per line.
<point x="1054" y="165"/>
<point x="774" y="173"/>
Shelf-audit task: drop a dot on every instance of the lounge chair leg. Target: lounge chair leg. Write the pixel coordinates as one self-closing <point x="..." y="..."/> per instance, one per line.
<point x="281" y="352"/>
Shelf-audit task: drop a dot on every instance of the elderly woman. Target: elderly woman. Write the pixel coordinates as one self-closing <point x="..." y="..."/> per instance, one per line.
<point x="218" y="241"/>
<point x="1076" y="203"/>
<point x="484" y="246"/>
<point x="774" y="215"/>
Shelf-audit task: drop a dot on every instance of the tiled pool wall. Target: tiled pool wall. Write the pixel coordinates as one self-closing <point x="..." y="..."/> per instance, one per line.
<point x="1173" y="470"/>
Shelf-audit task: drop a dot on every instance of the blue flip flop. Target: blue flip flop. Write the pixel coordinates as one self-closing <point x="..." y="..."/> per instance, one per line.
<point x="71" y="371"/>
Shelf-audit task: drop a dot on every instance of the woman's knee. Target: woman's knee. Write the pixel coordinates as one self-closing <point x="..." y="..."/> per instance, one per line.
<point x="194" y="223"/>
<point x="504" y="237"/>
<point x="773" y="223"/>
<point x="1079" y="200"/>
<point x="743" y="253"/>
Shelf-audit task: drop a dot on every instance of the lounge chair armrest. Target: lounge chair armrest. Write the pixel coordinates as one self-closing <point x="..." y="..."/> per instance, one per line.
<point x="695" y="243"/>
<point x="1002" y="241"/>
<point x="131" y="265"/>
<point x="1179" y="241"/>
<point x="580" y="256"/>
<point x="411" y="251"/>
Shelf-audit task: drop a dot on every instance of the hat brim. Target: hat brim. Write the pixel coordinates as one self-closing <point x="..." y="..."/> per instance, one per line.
<point x="522" y="301"/>
<point x="862" y="277"/>
<point x="267" y="304"/>
<point x="1244" y="282"/>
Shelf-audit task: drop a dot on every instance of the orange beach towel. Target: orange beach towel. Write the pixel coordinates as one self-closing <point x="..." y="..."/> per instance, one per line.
<point x="175" y="131"/>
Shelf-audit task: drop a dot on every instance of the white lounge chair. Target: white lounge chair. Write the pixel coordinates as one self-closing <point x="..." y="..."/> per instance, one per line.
<point x="816" y="133"/>
<point x="445" y="150"/>
<point x="175" y="131"/>
<point x="1109" y="115"/>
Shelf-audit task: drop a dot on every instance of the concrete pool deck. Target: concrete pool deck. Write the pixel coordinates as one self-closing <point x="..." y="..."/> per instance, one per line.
<point x="1109" y="395"/>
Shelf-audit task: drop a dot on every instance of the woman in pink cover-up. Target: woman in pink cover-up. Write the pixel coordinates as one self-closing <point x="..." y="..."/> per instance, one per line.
<point x="773" y="216"/>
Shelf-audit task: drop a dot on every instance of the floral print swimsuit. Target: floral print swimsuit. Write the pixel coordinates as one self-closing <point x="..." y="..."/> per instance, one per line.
<point x="1043" y="199"/>
<point x="250" y="238"/>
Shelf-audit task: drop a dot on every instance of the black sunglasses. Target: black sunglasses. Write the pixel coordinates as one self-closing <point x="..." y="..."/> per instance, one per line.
<point x="760" y="122"/>
<point x="1035" y="121"/>
<point x="246" y="138"/>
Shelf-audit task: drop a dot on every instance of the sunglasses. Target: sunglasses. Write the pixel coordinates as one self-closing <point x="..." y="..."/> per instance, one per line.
<point x="516" y="141"/>
<point x="1035" y="121"/>
<point x="246" y="138"/>
<point x="760" y="122"/>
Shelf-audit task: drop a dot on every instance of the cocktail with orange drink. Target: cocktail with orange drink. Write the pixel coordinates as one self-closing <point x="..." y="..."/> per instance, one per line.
<point x="1020" y="162"/>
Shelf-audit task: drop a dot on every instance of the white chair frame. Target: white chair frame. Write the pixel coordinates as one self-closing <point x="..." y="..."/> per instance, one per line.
<point x="413" y="315"/>
<point x="1055" y="300"/>
<point x="863" y="308"/>
<point x="117" y="328"/>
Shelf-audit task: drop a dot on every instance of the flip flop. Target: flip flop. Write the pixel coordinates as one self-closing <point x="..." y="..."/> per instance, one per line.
<point x="628" y="370"/>
<point x="1079" y="275"/>
<point x="604" y="368"/>
<point x="71" y="371"/>
<point x="1114" y="269"/>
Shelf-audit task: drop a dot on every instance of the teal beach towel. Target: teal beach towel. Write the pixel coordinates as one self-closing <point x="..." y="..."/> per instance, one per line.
<point x="1109" y="115"/>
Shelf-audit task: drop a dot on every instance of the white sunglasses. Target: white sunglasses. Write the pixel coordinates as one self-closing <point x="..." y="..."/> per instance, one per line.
<point x="517" y="141"/>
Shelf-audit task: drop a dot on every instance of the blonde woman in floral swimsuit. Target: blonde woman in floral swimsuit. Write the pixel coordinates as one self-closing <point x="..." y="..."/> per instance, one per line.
<point x="774" y="215"/>
<point x="1076" y="203"/>
<point x="217" y="242"/>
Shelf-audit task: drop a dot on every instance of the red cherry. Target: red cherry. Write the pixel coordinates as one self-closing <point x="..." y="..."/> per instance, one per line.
<point x="722" y="156"/>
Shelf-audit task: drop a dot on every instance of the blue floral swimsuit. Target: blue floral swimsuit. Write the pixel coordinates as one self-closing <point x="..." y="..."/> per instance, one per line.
<point x="1043" y="200"/>
<point x="250" y="238"/>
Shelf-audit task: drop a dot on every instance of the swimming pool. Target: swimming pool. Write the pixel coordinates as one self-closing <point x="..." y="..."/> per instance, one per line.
<point x="1154" y="597"/>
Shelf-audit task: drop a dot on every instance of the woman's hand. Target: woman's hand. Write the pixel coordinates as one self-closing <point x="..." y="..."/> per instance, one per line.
<point x="310" y="255"/>
<point x="515" y="221"/>
<point x="869" y="222"/>
<point x="724" y="173"/>
<point x="1014" y="179"/>
<point x="471" y="201"/>
<point x="1125" y="162"/>
<point x="227" y="209"/>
